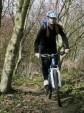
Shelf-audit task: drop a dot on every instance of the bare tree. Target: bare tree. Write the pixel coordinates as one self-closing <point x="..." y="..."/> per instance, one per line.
<point x="13" y="46"/>
<point x="0" y="11"/>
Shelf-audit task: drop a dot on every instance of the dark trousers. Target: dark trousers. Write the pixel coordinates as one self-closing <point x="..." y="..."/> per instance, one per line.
<point x="46" y="62"/>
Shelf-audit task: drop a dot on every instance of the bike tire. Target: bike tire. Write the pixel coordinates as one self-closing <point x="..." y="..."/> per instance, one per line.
<point x="55" y="75"/>
<point x="54" y="81"/>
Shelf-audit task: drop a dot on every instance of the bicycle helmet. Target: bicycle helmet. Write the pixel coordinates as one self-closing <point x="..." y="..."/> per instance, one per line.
<point x="52" y="14"/>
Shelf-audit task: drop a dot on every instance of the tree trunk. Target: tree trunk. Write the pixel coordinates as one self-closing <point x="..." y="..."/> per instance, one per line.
<point x="13" y="46"/>
<point x="0" y="11"/>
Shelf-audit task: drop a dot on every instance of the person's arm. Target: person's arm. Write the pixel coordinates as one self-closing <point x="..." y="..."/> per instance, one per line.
<point x="65" y="42"/>
<point x="37" y="41"/>
<point x="64" y="38"/>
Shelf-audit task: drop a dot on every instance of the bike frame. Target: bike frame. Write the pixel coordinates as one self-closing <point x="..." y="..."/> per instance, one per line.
<point x="54" y="70"/>
<point x="53" y="66"/>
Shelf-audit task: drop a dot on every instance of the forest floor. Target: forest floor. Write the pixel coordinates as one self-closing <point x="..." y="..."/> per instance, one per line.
<point x="29" y="96"/>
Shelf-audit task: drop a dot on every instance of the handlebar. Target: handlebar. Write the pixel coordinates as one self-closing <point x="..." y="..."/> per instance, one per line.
<point x="52" y="55"/>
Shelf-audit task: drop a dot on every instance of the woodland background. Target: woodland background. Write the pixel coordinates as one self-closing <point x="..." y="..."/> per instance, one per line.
<point x="26" y="72"/>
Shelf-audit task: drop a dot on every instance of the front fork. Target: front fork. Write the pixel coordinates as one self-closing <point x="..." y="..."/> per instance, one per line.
<point x="59" y="77"/>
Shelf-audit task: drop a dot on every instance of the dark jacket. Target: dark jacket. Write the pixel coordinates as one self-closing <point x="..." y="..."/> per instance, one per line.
<point x="46" y="42"/>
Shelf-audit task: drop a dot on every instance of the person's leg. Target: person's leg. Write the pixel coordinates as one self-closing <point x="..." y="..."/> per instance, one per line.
<point x="45" y="69"/>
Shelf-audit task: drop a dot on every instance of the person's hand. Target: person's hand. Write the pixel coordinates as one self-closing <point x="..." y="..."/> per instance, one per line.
<point x="62" y="56"/>
<point x="66" y="51"/>
<point x="37" y="55"/>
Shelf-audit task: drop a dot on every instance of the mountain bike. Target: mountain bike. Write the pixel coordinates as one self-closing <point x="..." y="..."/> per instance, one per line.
<point x="54" y="78"/>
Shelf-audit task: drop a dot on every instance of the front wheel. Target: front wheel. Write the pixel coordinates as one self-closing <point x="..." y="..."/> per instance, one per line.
<point x="54" y="83"/>
<point x="56" y="80"/>
<point x="58" y="98"/>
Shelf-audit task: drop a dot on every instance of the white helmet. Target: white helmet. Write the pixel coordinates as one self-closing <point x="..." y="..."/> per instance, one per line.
<point x="52" y="14"/>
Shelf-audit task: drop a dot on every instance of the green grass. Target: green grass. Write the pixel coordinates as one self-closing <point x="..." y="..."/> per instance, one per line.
<point x="37" y="80"/>
<point x="72" y="83"/>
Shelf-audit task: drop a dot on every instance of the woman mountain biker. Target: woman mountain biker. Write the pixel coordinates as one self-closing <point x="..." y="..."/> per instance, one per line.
<point x="45" y="42"/>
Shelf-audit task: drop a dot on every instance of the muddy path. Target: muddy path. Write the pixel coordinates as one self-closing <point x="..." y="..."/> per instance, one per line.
<point x="28" y="100"/>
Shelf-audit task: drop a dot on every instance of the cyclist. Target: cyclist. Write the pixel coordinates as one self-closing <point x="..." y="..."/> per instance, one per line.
<point x="45" y="42"/>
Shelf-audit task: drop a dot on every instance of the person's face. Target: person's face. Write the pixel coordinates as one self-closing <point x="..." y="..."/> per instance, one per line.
<point x="52" y="21"/>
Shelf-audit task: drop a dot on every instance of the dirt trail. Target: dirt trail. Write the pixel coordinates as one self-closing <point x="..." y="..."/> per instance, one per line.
<point x="26" y="100"/>
<point x="32" y="99"/>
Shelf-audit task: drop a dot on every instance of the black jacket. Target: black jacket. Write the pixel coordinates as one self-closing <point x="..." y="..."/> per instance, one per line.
<point x="46" y="42"/>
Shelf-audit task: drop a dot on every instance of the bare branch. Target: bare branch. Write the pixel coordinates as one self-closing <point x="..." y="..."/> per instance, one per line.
<point x="75" y="30"/>
<point x="0" y="11"/>
<point x="77" y="41"/>
<point x="61" y="10"/>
